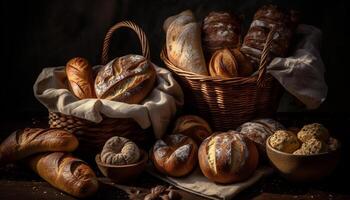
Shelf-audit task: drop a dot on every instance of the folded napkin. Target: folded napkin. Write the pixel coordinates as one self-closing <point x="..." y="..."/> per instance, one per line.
<point x="198" y="184"/>
<point x="302" y="73"/>
<point x="155" y="110"/>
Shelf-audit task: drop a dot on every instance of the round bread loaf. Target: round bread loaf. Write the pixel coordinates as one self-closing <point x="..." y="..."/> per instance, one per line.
<point x="259" y="130"/>
<point x="80" y="78"/>
<point x="175" y="155"/>
<point x="285" y="141"/>
<point x="312" y="146"/>
<point x="223" y="64"/>
<point x="192" y="126"/>
<point x="315" y="130"/>
<point x="227" y="157"/>
<point x="120" y="151"/>
<point x="127" y="79"/>
<point x="220" y="30"/>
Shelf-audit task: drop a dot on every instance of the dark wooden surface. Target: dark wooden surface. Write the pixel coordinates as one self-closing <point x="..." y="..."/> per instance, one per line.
<point x="18" y="182"/>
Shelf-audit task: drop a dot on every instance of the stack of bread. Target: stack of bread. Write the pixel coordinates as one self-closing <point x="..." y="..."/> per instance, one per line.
<point x="190" y="45"/>
<point x="126" y="79"/>
<point x="223" y="157"/>
<point x="47" y="152"/>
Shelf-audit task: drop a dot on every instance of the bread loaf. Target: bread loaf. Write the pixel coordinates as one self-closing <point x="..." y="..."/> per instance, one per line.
<point x="65" y="172"/>
<point x="227" y="157"/>
<point x="223" y="64"/>
<point x="220" y="30"/>
<point x="183" y="43"/>
<point x="120" y="151"/>
<point x="29" y="141"/>
<point x="175" y="155"/>
<point x="80" y="78"/>
<point x="127" y="79"/>
<point x="266" y="18"/>
<point x="245" y="67"/>
<point x="192" y="126"/>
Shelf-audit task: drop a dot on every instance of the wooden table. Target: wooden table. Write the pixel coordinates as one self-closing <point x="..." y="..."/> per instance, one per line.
<point x="18" y="182"/>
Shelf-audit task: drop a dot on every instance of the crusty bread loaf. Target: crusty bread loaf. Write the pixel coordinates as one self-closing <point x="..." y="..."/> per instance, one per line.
<point x="227" y="157"/>
<point x="127" y="79"/>
<point x="29" y="141"/>
<point x="80" y="78"/>
<point x="192" y="126"/>
<point x="175" y="155"/>
<point x="120" y="151"/>
<point x="183" y="43"/>
<point x="220" y="30"/>
<point x="65" y="172"/>
<point x="223" y="64"/>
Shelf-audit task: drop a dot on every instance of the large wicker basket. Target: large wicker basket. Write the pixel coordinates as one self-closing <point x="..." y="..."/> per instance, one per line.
<point x="227" y="103"/>
<point x="92" y="136"/>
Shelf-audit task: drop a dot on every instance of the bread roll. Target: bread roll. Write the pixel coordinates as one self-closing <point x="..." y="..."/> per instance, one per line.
<point x="223" y="64"/>
<point x="120" y="151"/>
<point x="80" y="78"/>
<point x="183" y="43"/>
<point x="245" y="67"/>
<point x="175" y="155"/>
<point x="220" y="30"/>
<point x="259" y="130"/>
<point x="227" y="157"/>
<point x="315" y="130"/>
<point x="192" y="126"/>
<point x="127" y="79"/>
<point x="65" y="172"/>
<point x="29" y="141"/>
<point x="266" y="18"/>
<point x="285" y="141"/>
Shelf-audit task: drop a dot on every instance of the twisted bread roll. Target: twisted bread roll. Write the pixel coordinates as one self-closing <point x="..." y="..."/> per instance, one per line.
<point x="23" y="143"/>
<point x="127" y="79"/>
<point x="227" y="157"/>
<point x="183" y="43"/>
<point x="66" y="173"/>
<point x="80" y="78"/>
<point x="223" y="64"/>
<point x="176" y="155"/>
<point x="120" y="151"/>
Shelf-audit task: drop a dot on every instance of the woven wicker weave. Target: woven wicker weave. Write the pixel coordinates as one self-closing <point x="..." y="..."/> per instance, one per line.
<point x="227" y="103"/>
<point x="92" y="135"/>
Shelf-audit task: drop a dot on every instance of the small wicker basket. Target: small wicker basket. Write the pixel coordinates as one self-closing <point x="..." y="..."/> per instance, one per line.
<point x="92" y="136"/>
<point x="227" y="103"/>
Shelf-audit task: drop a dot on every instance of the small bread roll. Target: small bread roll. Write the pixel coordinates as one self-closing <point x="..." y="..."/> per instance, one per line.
<point x="175" y="155"/>
<point x="192" y="126"/>
<point x="285" y="141"/>
<point x="315" y="130"/>
<point x="80" y="78"/>
<point x="227" y="157"/>
<point x="223" y="64"/>
<point x="245" y="67"/>
<point x="312" y="146"/>
<point x="120" y="151"/>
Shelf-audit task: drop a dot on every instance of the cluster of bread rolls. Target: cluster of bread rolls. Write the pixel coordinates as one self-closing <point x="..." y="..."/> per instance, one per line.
<point x="47" y="153"/>
<point x="224" y="157"/>
<point x="126" y="79"/>
<point x="310" y="139"/>
<point x="220" y="38"/>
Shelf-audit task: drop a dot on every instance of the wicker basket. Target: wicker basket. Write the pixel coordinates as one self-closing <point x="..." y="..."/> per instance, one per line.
<point x="227" y="103"/>
<point x="92" y="136"/>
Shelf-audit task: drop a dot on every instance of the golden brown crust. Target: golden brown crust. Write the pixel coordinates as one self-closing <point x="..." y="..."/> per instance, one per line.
<point x="26" y="142"/>
<point x="223" y="64"/>
<point x="127" y="79"/>
<point x="192" y="126"/>
<point x="227" y="157"/>
<point x="245" y="67"/>
<point x="80" y="78"/>
<point x="176" y="155"/>
<point x="66" y="173"/>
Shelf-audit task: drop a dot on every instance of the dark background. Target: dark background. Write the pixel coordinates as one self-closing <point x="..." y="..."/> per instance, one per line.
<point x="38" y="34"/>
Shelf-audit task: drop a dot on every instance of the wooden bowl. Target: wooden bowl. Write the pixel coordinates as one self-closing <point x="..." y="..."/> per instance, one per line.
<point x="303" y="168"/>
<point x="123" y="173"/>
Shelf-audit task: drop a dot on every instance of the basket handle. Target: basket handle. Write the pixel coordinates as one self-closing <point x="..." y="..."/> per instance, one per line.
<point x="128" y="24"/>
<point x="264" y="58"/>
